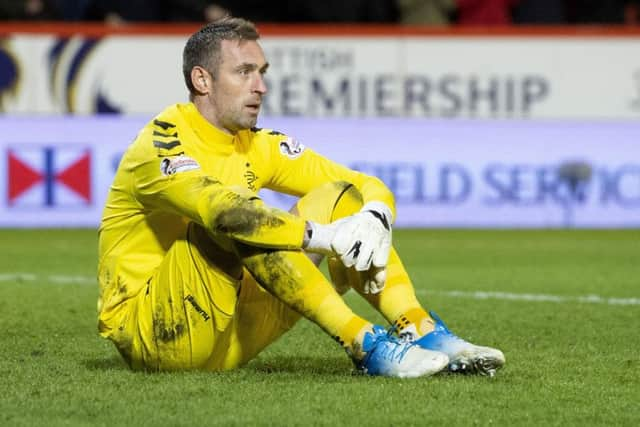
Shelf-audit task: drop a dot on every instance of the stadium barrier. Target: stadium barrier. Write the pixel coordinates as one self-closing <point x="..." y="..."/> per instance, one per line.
<point x="336" y="71"/>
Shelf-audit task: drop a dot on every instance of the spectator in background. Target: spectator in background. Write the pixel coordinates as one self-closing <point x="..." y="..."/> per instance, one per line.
<point x="293" y="11"/>
<point x="122" y="11"/>
<point x="602" y="11"/>
<point x="544" y="12"/>
<point x="28" y="10"/>
<point x="426" y="12"/>
<point x="254" y="10"/>
<point x="632" y="13"/>
<point x="485" y="12"/>
<point x="360" y="11"/>
<point x="193" y="10"/>
<point x="117" y="12"/>
<point x="72" y="10"/>
<point x="208" y="11"/>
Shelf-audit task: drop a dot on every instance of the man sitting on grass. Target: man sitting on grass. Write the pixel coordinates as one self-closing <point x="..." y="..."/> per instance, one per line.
<point x="196" y="272"/>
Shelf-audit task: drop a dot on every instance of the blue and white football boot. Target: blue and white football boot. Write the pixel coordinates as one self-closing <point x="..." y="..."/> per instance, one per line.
<point x="464" y="357"/>
<point x="389" y="356"/>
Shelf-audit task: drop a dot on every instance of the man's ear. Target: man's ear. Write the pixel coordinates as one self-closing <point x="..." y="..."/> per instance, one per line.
<point x="201" y="80"/>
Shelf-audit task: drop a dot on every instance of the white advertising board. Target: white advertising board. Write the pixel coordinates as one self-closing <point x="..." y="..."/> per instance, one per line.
<point x="312" y="76"/>
<point x="444" y="173"/>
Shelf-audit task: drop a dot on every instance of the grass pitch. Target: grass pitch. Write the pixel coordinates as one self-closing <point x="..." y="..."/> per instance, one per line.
<point x="564" y="306"/>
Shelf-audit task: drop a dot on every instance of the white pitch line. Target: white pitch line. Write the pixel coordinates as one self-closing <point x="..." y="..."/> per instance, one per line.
<point x="17" y="277"/>
<point x="590" y="299"/>
<point x="479" y="295"/>
<point x="55" y="278"/>
<point x="81" y="280"/>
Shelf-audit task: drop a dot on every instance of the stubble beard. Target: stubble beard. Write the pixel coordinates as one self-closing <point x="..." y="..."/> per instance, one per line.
<point x="252" y="122"/>
<point x="240" y="121"/>
<point x="249" y="120"/>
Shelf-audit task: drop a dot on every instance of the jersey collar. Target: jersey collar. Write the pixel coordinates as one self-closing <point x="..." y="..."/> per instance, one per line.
<point x="209" y="135"/>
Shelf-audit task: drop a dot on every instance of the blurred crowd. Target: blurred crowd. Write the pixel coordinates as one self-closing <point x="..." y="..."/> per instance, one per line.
<point x="408" y="12"/>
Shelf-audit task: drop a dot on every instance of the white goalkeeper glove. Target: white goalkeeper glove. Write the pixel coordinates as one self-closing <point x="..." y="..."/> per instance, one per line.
<point x="364" y="242"/>
<point x="318" y="237"/>
<point x="373" y="280"/>
<point x="364" y="239"/>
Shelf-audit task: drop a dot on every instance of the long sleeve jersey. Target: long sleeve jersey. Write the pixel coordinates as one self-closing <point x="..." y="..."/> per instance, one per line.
<point x="182" y="169"/>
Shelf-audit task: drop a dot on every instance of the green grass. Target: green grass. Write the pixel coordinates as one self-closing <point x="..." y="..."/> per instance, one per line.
<point x="568" y="362"/>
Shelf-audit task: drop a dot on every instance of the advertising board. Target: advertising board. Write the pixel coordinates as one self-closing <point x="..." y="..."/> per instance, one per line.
<point x="463" y="173"/>
<point x="510" y="77"/>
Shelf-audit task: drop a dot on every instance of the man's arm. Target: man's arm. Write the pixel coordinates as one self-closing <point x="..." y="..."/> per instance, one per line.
<point x="363" y="240"/>
<point x="297" y="170"/>
<point x="175" y="183"/>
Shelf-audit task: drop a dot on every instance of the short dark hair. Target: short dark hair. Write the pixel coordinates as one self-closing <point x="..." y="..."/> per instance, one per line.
<point x="203" y="47"/>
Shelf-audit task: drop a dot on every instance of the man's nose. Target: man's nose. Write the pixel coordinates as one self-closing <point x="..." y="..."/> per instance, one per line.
<point x="260" y="85"/>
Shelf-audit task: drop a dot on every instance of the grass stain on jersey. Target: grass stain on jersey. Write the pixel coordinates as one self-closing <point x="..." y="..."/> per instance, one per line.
<point x="245" y="220"/>
<point x="166" y="331"/>
<point x="274" y="271"/>
<point x="207" y="181"/>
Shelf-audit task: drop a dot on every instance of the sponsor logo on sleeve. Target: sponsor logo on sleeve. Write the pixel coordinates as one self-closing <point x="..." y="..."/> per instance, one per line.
<point x="174" y="165"/>
<point x="291" y="148"/>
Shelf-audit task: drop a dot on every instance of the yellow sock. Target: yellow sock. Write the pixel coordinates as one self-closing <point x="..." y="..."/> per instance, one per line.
<point x="350" y="334"/>
<point x="416" y="321"/>
<point x="293" y="278"/>
<point x="396" y="301"/>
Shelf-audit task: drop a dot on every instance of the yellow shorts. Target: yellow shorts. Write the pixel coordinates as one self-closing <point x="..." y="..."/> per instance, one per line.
<point x="193" y="315"/>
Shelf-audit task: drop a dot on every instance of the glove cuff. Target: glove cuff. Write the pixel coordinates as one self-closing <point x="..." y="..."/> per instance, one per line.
<point x="318" y="237"/>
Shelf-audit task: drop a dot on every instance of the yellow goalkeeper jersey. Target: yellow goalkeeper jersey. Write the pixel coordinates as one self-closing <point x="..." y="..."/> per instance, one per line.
<point x="166" y="179"/>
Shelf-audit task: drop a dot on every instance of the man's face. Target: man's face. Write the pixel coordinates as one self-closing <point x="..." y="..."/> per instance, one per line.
<point x="238" y="87"/>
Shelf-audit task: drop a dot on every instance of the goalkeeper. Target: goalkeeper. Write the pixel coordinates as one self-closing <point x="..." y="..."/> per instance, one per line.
<point x="196" y="272"/>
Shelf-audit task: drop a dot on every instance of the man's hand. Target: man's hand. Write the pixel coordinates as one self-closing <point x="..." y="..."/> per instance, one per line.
<point x="364" y="239"/>
<point x="318" y="237"/>
<point x="373" y="280"/>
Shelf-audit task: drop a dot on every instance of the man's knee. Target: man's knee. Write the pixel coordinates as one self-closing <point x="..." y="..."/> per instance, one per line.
<point x="329" y="202"/>
<point x="349" y="201"/>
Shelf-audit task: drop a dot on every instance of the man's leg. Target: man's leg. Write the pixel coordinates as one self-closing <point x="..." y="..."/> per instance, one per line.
<point x="261" y="318"/>
<point x="299" y="285"/>
<point x="397" y="300"/>
<point x="184" y="319"/>
<point x="398" y="303"/>
<point x="181" y="317"/>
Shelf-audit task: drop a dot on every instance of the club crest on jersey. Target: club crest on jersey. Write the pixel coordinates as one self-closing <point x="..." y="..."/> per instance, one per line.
<point x="291" y="148"/>
<point x="174" y="165"/>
